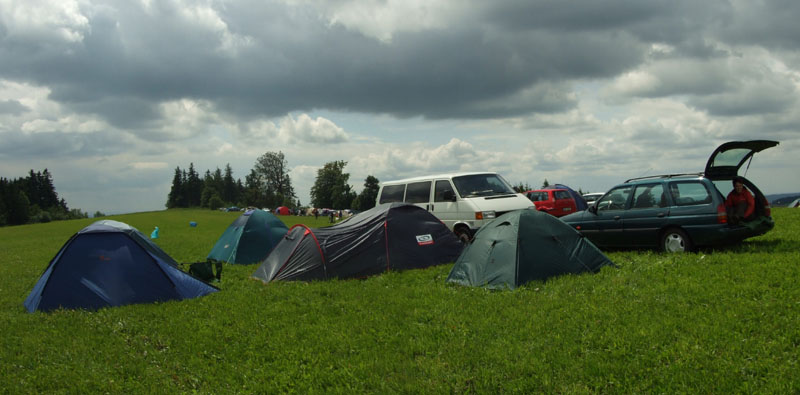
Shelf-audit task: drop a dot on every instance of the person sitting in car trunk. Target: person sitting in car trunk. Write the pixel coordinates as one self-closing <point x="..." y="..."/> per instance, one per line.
<point x="739" y="204"/>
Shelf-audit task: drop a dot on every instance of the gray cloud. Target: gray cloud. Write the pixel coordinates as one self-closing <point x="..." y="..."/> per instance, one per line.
<point x="257" y="59"/>
<point x="50" y="145"/>
<point x="12" y="107"/>
<point x="603" y="88"/>
<point x="771" y="24"/>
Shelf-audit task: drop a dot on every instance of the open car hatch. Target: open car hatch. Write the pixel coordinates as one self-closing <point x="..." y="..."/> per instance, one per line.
<point x="726" y="160"/>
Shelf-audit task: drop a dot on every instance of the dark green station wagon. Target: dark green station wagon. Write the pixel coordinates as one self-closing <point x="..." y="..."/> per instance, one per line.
<point x="677" y="212"/>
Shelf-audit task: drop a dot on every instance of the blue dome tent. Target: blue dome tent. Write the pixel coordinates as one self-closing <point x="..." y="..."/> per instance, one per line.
<point x="110" y="263"/>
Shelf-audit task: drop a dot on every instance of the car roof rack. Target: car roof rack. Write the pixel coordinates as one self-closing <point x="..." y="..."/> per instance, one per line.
<point x="664" y="176"/>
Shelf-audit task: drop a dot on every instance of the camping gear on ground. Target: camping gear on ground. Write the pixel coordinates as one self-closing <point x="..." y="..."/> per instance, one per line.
<point x="522" y="246"/>
<point x="249" y="238"/>
<point x="392" y="236"/>
<point x="110" y="263"/>
<point x="209" y="270"/>
<point x="154" y="234"/>
<point x="192" y="224"/>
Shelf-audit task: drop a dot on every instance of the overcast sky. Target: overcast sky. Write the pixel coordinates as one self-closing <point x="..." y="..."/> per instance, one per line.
<point x="111" y="96"/>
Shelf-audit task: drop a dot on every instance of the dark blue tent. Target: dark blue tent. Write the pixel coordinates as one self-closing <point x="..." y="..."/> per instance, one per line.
<point x="580" y="202"/>
<point x="390" y="236"/>
<point x="109" y="263"/>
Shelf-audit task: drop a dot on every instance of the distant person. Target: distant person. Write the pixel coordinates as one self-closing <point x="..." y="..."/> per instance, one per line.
<point x="739" y="204"/>
<point x="316" y="214"/>
<point x="331" y="216"/>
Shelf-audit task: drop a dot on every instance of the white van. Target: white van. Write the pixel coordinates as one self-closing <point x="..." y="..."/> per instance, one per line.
<point x="462" y="201"/>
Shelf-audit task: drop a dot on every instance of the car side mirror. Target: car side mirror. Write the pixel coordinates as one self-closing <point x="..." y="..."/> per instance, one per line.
<point x="593" y="209"/>
<point x="449" y="196"/>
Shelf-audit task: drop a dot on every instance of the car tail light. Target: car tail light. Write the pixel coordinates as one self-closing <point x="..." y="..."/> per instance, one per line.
<point x="767" y="209"/>
<point x="722" y="215"/>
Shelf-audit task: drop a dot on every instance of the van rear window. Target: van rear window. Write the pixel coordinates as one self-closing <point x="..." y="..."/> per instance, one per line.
<point x="392" y="193"/>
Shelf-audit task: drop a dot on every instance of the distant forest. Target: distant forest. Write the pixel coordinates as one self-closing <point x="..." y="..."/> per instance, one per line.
<point x="33" y="199"/>
<point x="268" y="185"/>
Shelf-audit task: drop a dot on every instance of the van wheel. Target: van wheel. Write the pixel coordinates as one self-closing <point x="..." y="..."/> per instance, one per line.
<point x="675" y="240"/>
<point x="463" y="234"/>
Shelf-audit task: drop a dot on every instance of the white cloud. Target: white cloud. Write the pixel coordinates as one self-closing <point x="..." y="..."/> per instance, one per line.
<point x="308" y="130"/>
<point x="208" y="18"/>
<point x="382" y="19"/>
<point x="301" y="130"/>
<point x="68" y="124"/>
<point x="46" y="21"/>
<point x="149" y="165"/>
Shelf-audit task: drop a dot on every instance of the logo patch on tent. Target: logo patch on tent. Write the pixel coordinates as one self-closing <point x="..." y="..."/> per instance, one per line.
<point x="424" y="239"/>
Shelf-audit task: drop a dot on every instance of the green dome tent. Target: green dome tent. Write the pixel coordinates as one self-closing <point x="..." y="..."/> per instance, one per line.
<point x="522" y="246"/>
<point x="249" y="238"/>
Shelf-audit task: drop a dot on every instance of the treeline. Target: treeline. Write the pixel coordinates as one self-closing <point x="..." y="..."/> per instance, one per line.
<point x="268" y="185"/>
<point x="331" y="189"/>
<point x="33" y="199"/>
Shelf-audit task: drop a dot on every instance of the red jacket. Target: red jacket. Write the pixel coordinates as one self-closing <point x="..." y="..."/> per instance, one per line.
<point x="745" y="196"/>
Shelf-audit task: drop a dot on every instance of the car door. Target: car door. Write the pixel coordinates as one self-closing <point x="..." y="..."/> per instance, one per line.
<point x="646" y="215"/>
<point x="692" y="206"/>
<point x="604" y="225"/>
<point x="445" y="203"/>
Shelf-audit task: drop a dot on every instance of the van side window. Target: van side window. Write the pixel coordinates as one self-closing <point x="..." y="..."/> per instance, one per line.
<point x="392" y="193"/>
<point x="689" y="193"/>
<point x="418" y="192"/>
<point x="441" y="192"/>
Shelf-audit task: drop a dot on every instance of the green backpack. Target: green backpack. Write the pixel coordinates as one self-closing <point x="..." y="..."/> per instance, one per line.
<point x="208" y="270"/>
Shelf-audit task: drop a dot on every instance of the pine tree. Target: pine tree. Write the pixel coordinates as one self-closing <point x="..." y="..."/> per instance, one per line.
<point x="194" y="187"/>
<point x="18" y="207"/>
<point x="176" y="196"/>
<point x="230" y="192"/>
<point x="3" y="210"/>
<point x="254" y="190"/>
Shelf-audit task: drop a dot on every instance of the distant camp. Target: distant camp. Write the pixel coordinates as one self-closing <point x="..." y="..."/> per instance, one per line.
<point x="391" y="236"/>
<point x="521" y="246"/>
<point x="249" y="238"/>
<point x="110" y="263"/>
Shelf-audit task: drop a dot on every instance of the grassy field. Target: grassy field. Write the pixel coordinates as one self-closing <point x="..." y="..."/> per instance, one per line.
<point x="718" y="321"/>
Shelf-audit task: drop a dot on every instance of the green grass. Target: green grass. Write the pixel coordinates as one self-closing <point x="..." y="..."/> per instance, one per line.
<point x="719" y="321"/>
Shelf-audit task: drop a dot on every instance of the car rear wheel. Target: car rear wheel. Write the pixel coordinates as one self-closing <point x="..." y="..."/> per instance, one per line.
<point x="675" y="240"/>
<point x="463" y="234"/>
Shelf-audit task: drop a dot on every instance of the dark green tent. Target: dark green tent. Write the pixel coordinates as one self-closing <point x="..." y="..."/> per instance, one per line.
<point x="249" y="238"/>
<point x="521" y="246"/>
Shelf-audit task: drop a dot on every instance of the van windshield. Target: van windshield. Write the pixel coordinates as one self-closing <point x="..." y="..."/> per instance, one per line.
<point x="481" y="185"/>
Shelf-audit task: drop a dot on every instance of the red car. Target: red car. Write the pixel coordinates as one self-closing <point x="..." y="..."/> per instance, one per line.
<point x="557" y="202"/>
